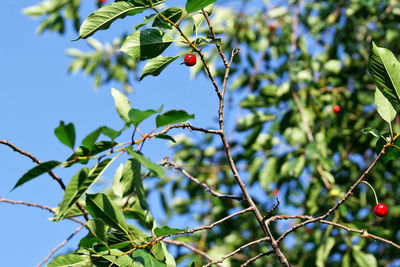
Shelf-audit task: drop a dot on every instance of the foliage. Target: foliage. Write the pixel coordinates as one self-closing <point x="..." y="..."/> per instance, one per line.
<point x="287" y="142"/>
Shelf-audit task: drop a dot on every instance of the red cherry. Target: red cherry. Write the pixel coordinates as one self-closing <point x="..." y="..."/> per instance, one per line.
<point x="103" y="1"/>
<point x="272" y="27"/>
<point x="336" y="109"/>
<point x="190" y="60"/>
<point x="380" y="210"/>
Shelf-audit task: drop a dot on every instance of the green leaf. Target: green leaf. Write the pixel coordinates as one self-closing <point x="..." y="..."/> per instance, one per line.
<point x="84" y="152"/>
<point x="98" y="229"/>
<point x="166" y="230"/>
<point x="385" y="71"/>
<point x="146" y="44"/>
<point x="268" y="173"/>
<point x="91" y="138"/>
<point x="252" y="120"/>
<point x="149" y="260"/>
<point x="323" y="252"/>
<point x="107" y="131"/>
<point x="36" y="171"/>
<point x="68" y="260"/>
<point x="384" y="107"/>
<point x="166" y="137"/>
<point x="194" y="5"/>
<point x="147" y="163"/>
<point x="173" y="116"/>
<point x="66" y="134"/>
<point x="364" y="259"/>
<point x="172" y="13"/>
<point x="391" y="153"/>
<point x="372" y="131"/>
<point x="156" y="65"/>
<point x="169" y="260"/>
<point x="78" y="185"/>
<point x="102" y="18"/>
<point x="100" y="206"/>
<point x="122" y="105"/>
<point x="137" y="116"/>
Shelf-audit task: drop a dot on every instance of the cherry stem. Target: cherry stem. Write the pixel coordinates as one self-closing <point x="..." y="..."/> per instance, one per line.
<point x="373" y="190"/>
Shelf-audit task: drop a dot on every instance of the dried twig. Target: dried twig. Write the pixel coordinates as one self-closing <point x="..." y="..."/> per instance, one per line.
<point x="51" y="173"/>
<point x="237" y="250"/>
<point x="61" y="245"/>
<point x="2" y="199"/>
<point x="184" y="125"/>
<point x="346" y="196"/>
<point x="206" y="188"/>
<point x="257" y="257"/>
<point x="206" y="226"/>
<point x="195" y="250"/>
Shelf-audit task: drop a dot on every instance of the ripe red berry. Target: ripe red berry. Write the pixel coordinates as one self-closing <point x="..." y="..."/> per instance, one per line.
<point x="336" y="109"/>
<point x="272" y="27"/>
<point x="380" y="210"/>
<point x="103" y="1"/>
<point x="190" y="60"/>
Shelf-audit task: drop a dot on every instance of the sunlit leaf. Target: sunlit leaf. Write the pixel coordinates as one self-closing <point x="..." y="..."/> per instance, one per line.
<point x="122" y="104"/>
<point x="194" y="5"/>
<point x="156" y="65"/>
<point x="146" y="44"/>
<point x="137" y="116"/>
<point x="66" y="134"/>
<point x="147" y="163"/>
<point x="173" y="116"/>
<point x="384" y="107"/>
<point x="73" y="259"/>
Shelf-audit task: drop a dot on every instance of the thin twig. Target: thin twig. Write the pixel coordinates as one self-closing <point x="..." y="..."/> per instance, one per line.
<point x="348" y="229"/>
<point x="61" y="245"/>
<point x="237" y="250"/>
<point x="215" y="37"/>
<point x="257" y="257"/>
<point x="205" y="187"/>
<point x="184" y="125"/>
<point x="347" y="195"/>
<point x="195" y="250"/>
<point x="271" y="210"/>
<point x="20" y="202"/>
<point x="51" y="173"/>
<point x="206" y="226"/>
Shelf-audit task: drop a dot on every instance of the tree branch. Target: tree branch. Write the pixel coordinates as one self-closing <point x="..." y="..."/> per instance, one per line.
<point x="238" y="250"/>
<point x="206" y="226"/>
<point x="195" y="250"/>
<point x="2" y="199"/>
<point x="61" y="245"/>
<point x="51" y="173"/>
<point x="205" y="187"/>
<point x="184" y="125"/>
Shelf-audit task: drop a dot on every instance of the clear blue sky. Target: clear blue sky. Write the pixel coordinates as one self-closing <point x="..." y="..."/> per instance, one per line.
<point x="36" y="93"/>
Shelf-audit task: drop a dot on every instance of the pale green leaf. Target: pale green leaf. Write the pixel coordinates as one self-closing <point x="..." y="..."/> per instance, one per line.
<point x="384" y="107"/>
<point x="122" y="105"/>
<point x="156" y="65"/>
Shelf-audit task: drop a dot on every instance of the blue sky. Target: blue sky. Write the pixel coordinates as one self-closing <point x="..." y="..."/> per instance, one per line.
<point x="36" y="93"/>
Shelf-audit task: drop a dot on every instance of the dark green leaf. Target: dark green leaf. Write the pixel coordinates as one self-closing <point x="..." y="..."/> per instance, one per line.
<point x="110" y="132"/>
<point x="122" y="104"/>
<point x="66" y="134"/>
<point x="78" y="185"/>
<point x="146" y="44"/>
<point x="166" y="137"/>
<point x="147" y="163"/>
<point x="84" y="152"/>
<point x="137" y="116"/>
<point x="194" y="5"/>
<point x="166" y="230"/>
<point x="36" y="171"/>
<point x="100" y="206"/>
<point x="156" y="65"/>
<point x="97" y="228"/>
<point x="172" y="13"/>
<point x="385" y="71"/>
<point x="391" y="153"/>
<point x="173" y="116"/>
<point x="372" y="131"/>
